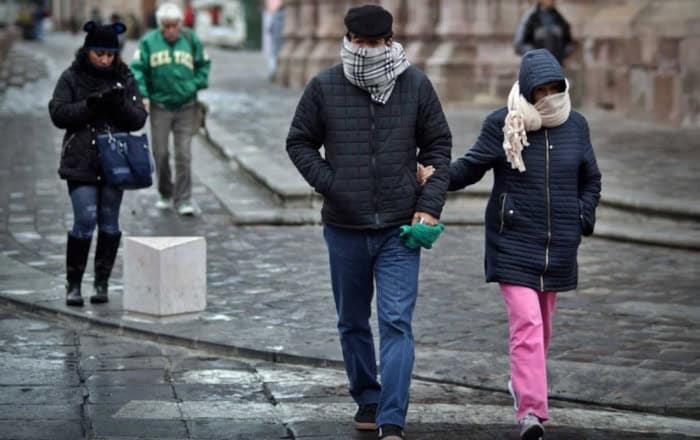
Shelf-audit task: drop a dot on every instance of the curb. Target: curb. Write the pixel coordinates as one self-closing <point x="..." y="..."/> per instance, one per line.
<point x="630" y="202"/>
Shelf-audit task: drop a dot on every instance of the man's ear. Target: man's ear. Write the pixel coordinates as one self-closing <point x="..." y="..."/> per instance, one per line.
<point x="389" y="41"/>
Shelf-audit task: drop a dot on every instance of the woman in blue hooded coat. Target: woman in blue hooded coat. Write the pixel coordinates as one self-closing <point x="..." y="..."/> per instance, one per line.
<point x="545" y="193"/>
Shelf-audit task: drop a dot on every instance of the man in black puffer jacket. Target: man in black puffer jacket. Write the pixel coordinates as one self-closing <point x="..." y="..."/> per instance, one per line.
<point x="376" y="118"/>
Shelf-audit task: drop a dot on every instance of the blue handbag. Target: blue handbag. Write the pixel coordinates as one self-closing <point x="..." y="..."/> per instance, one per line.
<point x="125" y="159"/>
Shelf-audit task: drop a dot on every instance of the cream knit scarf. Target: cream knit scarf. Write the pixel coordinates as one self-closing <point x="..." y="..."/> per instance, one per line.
<point x="522" y="117"/>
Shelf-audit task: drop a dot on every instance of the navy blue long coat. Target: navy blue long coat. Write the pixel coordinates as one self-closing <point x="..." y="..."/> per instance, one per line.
<point x="535" y="219"/>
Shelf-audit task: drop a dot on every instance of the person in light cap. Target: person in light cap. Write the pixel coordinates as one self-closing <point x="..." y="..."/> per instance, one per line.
<point x="170" y="67"/>
<point x="545" y="193"/>
<point x="376" y="117"/>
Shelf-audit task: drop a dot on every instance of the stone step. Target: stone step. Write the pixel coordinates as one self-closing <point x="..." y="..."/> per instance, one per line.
<point x="624" y="216"/>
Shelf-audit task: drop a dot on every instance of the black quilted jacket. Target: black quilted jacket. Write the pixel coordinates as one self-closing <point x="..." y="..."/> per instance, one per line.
<point x="367" y="174"/>
<point x="68" y="109"/>
<point x="535" y="219"/>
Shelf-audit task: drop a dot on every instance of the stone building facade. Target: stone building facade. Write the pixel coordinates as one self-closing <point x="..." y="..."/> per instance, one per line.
<point x="637" y="57"/>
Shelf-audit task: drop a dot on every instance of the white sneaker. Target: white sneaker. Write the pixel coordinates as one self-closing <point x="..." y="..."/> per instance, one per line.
<point x="531" y="428"/>
<point x="185" y="208"/>
<point x="164" y="203"/>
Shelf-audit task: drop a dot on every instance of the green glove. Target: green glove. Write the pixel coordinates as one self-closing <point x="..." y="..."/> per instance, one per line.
<point x="421" y="235"/>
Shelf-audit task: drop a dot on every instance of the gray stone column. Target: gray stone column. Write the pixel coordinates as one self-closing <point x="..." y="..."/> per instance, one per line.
<point x="419" y="31"/>
<point x="306" y="32"/>
<point x="451" y="67"/>
<point x="398" y="10"/>
<point x="329" y="34"/>
<point x="291" y="40"/>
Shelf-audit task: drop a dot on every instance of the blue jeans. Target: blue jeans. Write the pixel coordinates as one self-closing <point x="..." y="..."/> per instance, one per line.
<point x="94" y="205"/>
<point x="358" y="259"/>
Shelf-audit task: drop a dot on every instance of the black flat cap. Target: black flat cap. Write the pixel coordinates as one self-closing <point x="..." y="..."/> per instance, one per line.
<point x="370" y="21"/>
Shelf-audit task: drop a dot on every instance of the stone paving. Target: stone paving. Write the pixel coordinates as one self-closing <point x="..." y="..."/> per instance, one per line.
<point x="94" y="385"/>
<point x="628" y="337"/>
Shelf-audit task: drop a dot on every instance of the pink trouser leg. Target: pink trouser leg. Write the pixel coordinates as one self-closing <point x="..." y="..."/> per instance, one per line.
<point x="548" y="302"/>
<point x="530" y="319"/>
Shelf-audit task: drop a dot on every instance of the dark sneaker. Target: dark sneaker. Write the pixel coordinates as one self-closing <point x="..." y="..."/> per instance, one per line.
<point x="365" y="418"/>
<point x="531" y="428"/>
<point x="391" y="432"/>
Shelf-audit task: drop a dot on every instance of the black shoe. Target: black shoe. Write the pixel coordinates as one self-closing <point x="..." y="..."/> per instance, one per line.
<point x="77" y="250"/>
<point x="365" y="418"/>
<point x="391" y="432"/>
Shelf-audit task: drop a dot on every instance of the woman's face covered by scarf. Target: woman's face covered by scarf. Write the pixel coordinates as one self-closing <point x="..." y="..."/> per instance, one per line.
<point x="545" y="90"/>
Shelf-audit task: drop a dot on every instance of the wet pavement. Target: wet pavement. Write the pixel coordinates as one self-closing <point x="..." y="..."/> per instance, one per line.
<point x="87" y="384"/>
<point x="628" y="337"/>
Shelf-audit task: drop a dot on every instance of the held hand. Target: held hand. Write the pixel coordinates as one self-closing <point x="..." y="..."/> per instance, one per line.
<point x="113" y="97"/>
<point x="425" y="218"/>
<point x="424" y="173"/>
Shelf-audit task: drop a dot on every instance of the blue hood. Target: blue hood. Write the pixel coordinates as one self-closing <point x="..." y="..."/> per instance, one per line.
<point x="538" y="67"/>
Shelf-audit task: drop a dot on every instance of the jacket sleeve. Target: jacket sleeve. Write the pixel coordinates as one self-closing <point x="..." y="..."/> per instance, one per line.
<point x="569" y="43"/>
<point x="65" y="111"/>
<point x="202" y="63"/>
<point x="522" y="42"/>
<point x="141" y="69"/>
<point x="589" y="185"/>
<point x="306" y="135"/>
<point x="480" y="158"/>
<point x="133" y="114"/>
<point x="435" y="148"/>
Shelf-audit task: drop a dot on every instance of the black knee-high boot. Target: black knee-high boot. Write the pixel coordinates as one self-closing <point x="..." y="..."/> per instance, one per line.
<point x="105" y="254"/>
<point x="77" y="251"/>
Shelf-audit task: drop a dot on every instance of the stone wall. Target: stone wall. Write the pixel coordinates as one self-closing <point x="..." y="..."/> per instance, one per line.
<point x="637" y="57"/>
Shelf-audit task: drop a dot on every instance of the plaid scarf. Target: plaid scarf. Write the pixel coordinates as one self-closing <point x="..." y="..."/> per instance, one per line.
<point x="374" y="69"/>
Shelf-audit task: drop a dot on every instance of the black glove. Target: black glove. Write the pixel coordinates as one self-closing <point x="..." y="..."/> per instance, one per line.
<point x="113" y="98"/>
<point x="107" y="99"/>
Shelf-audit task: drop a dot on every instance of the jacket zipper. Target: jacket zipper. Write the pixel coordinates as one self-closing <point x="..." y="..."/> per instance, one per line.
<point x="374" y="164"/>
<point x="549" y="214"/>
<point x="503" y="211"/>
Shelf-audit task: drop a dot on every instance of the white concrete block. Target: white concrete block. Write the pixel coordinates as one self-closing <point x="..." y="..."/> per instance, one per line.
<point x="165" y="275"/>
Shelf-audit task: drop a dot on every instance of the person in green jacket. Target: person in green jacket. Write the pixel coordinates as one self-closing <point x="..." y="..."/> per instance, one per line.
<point x="170" y="67"/>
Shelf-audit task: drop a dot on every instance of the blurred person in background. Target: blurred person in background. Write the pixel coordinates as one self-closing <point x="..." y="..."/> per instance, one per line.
<point x="188" y="13"/>
<point x="95" y="94"/>
<point x="273" y="24"/>
<point x="543" y="27"/>
<point x="170" y="67"/>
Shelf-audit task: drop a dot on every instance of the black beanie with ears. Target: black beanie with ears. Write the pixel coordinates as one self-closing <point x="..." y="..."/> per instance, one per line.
<point x="103" y="37"/>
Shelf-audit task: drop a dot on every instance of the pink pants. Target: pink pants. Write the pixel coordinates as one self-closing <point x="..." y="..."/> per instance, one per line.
<point x="530" y="315"/>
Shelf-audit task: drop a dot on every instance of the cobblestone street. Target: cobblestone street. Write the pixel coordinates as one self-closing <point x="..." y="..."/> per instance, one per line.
<point x="629" y="338"/>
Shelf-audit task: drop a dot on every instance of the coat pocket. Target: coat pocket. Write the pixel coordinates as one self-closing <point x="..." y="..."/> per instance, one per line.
<point x="506" y="211"/>
<point x="66" y="144"/>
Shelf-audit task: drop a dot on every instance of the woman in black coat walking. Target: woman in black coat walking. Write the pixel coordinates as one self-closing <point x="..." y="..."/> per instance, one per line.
<point x="95" y="94"/>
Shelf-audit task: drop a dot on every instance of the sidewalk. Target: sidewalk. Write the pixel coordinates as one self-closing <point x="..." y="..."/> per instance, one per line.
<point x="86" y="384"/>
<point x="628" y="338"/>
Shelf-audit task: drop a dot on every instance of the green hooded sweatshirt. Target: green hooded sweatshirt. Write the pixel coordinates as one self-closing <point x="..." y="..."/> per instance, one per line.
<point x="171" y="74"/>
